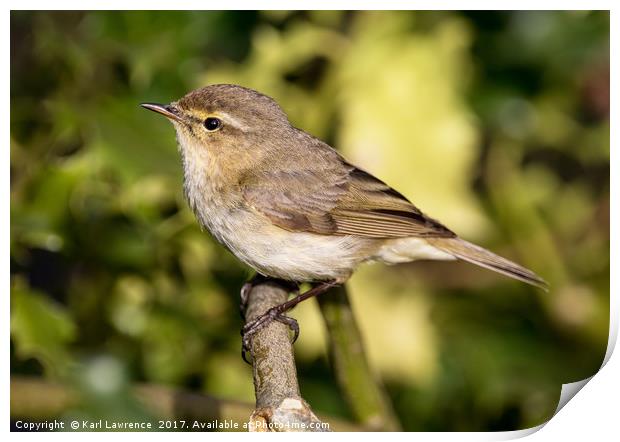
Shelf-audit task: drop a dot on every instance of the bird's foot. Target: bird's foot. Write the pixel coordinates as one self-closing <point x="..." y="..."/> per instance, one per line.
<point x="276" y="313"/>
<point x="251" y="328"/>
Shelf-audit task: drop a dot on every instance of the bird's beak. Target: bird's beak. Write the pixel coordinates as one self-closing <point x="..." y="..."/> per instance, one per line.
<point x="166" y="110"/>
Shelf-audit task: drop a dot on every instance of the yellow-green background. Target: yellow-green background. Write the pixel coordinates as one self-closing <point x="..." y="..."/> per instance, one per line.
<point x="495" y="123"/>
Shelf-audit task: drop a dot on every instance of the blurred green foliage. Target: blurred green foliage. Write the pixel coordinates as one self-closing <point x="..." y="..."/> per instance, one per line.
<point x="496" y="123"/>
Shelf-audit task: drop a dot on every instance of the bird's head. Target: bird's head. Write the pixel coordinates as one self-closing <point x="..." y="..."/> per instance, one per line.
<point x="225" y="123"/>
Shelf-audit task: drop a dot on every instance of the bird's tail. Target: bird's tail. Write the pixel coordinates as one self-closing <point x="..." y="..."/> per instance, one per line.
<point x="477" y="255"/>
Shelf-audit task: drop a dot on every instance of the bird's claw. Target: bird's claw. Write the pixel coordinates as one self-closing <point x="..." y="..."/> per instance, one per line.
<point x="251" y="328"/>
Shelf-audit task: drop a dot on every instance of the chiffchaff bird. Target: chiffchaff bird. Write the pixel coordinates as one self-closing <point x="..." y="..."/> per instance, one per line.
<point x="290" y="206"/>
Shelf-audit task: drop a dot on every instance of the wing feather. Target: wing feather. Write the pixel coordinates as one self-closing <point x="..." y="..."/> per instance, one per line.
<point x="343" y="200"/>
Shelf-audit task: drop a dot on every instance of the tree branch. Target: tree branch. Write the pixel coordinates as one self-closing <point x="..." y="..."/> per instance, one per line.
<point x="279" y="405"/>
<point x="363" y="391"/>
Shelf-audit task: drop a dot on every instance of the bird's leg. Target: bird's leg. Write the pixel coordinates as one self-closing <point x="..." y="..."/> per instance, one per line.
<point x="277" y="314"/>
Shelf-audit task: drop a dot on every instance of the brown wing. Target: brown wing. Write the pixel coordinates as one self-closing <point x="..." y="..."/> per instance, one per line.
<point x="341" y="201"/>
<point x="299" y="200"/>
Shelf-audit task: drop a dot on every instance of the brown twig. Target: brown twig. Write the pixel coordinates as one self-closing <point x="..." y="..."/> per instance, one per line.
<point x="279" y="405"/>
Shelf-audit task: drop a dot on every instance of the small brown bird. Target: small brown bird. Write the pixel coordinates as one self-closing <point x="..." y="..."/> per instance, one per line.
<point x="290" y="206"/>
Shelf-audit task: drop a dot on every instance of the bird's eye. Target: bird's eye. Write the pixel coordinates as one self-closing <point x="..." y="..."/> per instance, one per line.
<point x="213" y="124"/>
